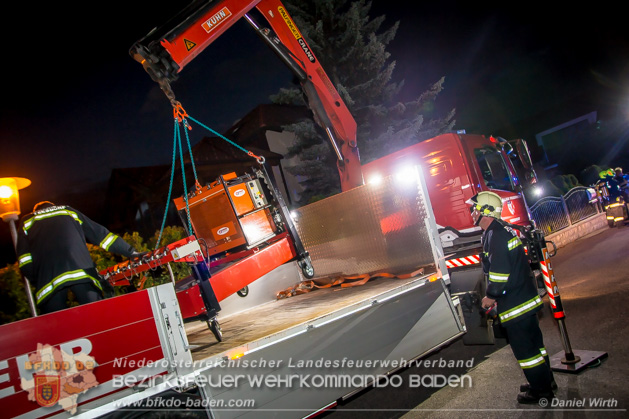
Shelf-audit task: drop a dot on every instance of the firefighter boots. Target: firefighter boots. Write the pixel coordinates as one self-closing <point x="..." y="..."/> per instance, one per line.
<point x="536" y="397"/>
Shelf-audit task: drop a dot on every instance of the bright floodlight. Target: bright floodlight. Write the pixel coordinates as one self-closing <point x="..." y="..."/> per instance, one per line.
<point x="406" y="175"/>
<point x="375" y="179"/>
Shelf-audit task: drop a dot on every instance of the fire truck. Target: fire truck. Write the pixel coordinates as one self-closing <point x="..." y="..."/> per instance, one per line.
<point x="457" y="167"/>
<point x="322" y="342"/>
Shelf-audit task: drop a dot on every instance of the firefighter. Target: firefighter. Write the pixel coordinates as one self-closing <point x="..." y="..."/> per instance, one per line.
<point x="607" y="178"/>
<point x="619" y="175"/>
<point x="621" y="180"/>
<point x="53" y="254"/>
<point x="513" y="294"/>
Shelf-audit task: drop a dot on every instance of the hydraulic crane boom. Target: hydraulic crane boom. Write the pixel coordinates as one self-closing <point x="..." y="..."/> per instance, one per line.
<point x="165" y="51"/>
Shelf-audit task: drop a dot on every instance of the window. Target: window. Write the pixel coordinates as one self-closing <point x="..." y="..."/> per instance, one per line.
<point x="494" y="169"/>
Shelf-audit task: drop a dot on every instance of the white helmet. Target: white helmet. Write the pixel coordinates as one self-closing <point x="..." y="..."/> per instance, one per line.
<point x="489" y="204"/>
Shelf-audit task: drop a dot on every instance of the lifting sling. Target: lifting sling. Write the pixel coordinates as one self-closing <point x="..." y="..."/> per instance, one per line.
<point x="181" y="117"/>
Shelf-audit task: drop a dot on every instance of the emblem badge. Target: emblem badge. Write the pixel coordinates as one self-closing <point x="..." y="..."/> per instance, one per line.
<point x="511" y="207"/>
<point x="47" y="389"/>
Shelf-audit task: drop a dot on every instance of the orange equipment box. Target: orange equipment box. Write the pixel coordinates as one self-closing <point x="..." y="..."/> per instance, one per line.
<point x="229" y="213"/>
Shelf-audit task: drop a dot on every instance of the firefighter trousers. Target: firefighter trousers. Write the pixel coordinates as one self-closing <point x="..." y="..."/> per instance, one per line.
<point x="527" y="344"/>
<point x="85" y="292"/>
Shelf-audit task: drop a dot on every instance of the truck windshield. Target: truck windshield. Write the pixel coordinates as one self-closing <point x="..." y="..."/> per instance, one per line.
<point x="494" y="169"/>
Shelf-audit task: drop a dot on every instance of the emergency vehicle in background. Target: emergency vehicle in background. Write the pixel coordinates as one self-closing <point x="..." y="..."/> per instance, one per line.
<point x="142" y="349"/>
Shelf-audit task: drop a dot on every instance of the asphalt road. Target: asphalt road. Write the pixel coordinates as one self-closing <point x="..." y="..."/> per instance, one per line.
<point x="593" y="279"/>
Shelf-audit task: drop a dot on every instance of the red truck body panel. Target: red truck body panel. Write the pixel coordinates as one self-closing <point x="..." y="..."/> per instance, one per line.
<point x="103" y="331"/>
<point x="453" y="175"/>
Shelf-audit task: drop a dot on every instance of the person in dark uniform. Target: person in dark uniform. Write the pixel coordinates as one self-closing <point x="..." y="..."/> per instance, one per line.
<point x="623" y="185"/>
<point x="607" y="177"/>
<point x="511" y="289"/>
<point x="53" y="255"/>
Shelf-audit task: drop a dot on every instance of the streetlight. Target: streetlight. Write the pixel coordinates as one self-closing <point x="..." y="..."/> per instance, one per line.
<point x="10" y="212"/>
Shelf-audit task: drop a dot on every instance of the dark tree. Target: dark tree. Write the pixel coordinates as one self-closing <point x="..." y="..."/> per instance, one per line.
<point x="351" y="47"/>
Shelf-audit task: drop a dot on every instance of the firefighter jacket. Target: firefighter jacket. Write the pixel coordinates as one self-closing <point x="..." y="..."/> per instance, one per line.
<point x="52" y="251"/>
<point x="612" y="188"/>
<point x="510" y="280"/>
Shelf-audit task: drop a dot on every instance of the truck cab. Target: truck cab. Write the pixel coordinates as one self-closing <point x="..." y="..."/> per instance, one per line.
<point x="457" y="167"/>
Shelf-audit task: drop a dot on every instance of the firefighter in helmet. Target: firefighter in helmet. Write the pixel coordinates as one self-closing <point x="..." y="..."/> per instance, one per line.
<point x="607" y="179"/>
<point x="513" y="293"/>
<point x="52" y="252"/>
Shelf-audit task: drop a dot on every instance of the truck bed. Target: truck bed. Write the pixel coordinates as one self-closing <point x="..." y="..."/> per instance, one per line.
<point x="277" y="316"/>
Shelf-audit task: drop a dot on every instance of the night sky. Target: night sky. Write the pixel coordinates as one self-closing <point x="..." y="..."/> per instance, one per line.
<point x="75" y="105"/>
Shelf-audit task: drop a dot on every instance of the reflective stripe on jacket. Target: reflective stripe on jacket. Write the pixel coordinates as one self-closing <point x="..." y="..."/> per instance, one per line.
<point x="61" y="280"/>
<point x="52" y="250"/>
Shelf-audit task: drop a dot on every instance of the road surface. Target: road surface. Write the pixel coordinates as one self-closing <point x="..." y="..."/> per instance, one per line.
<point x="592" y="275"/>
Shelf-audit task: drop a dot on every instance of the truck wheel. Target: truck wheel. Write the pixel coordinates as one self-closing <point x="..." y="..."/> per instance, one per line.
<point x="215" y="327"/>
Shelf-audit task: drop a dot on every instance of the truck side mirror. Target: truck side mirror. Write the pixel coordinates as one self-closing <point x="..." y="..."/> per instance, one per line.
<point x="523" y="152"/>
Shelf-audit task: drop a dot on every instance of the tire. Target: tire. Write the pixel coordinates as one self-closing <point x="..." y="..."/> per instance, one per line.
<point x="243" y="292"/>
<point x="308" y="271"/>
<point x="215" y="328"/>
<point x="306" y="268"/>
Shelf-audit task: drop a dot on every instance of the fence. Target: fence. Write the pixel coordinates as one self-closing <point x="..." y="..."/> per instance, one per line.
<point x="553" y="213"/>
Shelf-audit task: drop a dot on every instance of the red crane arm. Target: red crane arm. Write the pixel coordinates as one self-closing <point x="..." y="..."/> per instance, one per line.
<point x="167" y="50"/>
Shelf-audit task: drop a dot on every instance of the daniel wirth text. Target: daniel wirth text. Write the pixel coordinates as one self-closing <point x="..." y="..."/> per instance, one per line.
<point x="595" y="402"/>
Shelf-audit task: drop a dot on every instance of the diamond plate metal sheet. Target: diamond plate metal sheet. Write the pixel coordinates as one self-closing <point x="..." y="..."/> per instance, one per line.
<point x="369" y="229"/>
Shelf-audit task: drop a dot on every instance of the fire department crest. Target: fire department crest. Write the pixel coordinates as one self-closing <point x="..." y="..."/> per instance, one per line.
<point x="511" y="207"/>
<point x="58" y="378"/>
<point x="47" y="389"/>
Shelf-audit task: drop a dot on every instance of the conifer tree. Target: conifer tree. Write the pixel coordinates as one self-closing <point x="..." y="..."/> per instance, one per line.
<point x="351" y="47"/>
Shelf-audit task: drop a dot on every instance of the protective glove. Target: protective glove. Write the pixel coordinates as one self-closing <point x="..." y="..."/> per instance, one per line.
<point x="108" y="289"/>
<point x="490" y="312"/>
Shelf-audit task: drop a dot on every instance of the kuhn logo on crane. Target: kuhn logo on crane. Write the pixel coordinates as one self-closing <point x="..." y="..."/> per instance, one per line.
<point x="218" y="18"/>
